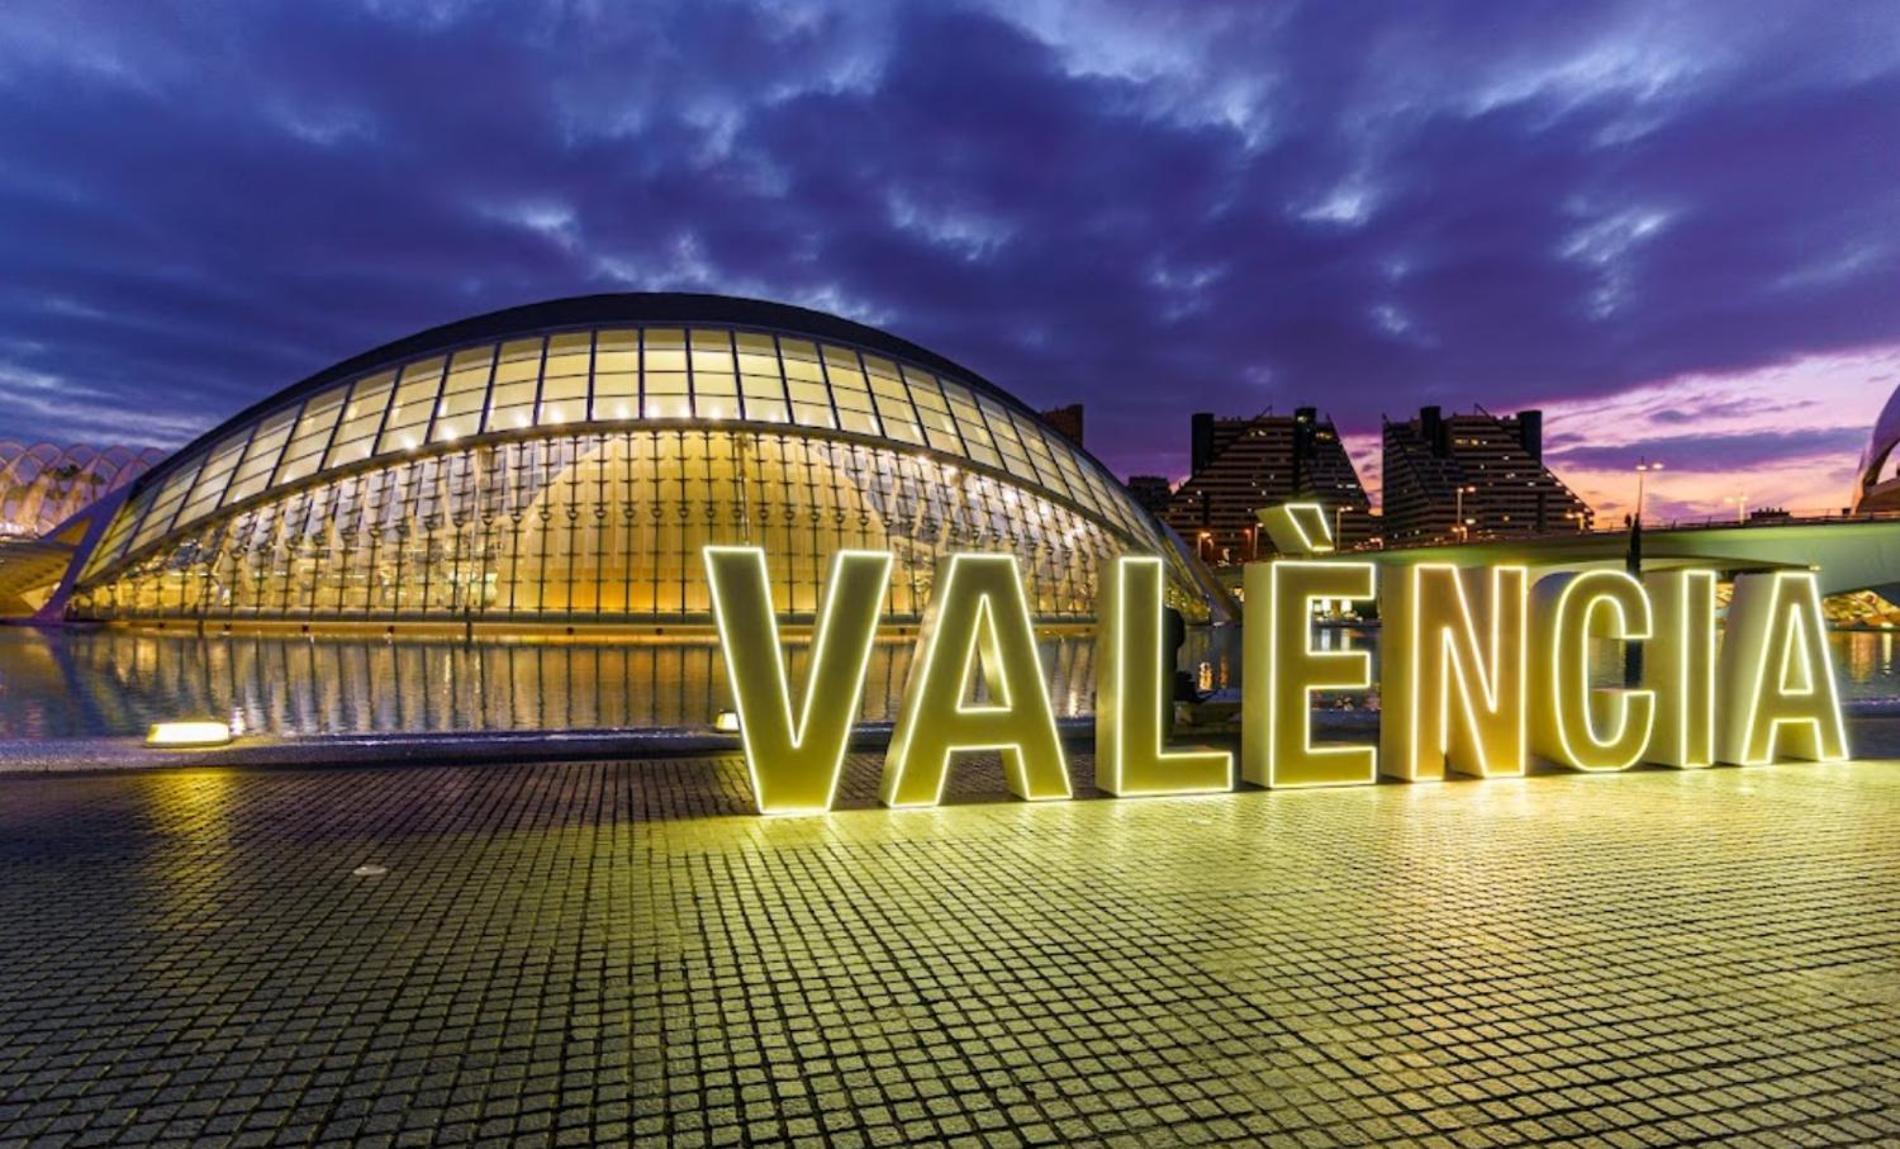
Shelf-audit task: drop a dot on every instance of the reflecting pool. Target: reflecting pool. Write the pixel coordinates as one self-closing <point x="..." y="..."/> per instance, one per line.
<point x="72" y="683"/>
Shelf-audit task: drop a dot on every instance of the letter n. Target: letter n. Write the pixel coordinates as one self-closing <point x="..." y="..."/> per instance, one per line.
<point x="1453" y="673"/>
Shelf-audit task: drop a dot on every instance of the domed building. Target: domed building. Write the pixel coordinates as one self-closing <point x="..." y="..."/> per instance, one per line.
<point x="1878" y="488"/>
<point x="565" y="462"/>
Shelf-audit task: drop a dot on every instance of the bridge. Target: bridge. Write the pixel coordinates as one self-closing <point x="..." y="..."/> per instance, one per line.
<point x="1851" y="552"/>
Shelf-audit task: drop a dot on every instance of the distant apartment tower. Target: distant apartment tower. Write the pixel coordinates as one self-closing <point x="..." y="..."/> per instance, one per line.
<point x="1152" y="492"/>
<point x="1067" y="420"/>
<point x="1498" y="463"/>
<point x="1246" y="464"/>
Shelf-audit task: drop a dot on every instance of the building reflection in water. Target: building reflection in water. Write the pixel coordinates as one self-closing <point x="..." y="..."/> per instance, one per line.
<point x="72" y="683"/>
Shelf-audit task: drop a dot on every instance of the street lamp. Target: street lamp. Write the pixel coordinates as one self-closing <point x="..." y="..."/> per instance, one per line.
<point x="1339" y="543"/>
<point x="1741" y="508"/>
<point x="1459" y="522"/>
<point x="1643" y="468"/>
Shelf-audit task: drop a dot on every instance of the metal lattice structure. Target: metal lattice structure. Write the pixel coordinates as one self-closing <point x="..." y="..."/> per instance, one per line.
<point x="44" y="484"/>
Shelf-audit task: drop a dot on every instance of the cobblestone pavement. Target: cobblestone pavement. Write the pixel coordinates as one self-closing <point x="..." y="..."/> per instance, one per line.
<point x="608" y="953"/>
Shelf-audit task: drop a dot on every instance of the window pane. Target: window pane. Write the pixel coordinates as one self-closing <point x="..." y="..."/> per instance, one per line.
<point x="617" y="375"/>
<point x="261" y="458"/>
<point x="801" y="360"/>
<point x="1046" y="471"/>
<point x="715" y="389"/>
<point x="464" y="394"/>
<point x="939" y="427"/>
<point x="305" y="452"/>
<point x="976" y="435"/>
<point x="663" y="359"/>
<point x="216" y="474"/>
<point x="128" y="517"/>
<point x="757" y="356"/>
<point x="569" y="354"/>
<point x="1015" y="458"/>
<point x="165" y="506"/>
<point x="665" y="349"/>
<point x="415" y="402"/>
<point x="361" y="418"/>
<point x="517" y="378"/>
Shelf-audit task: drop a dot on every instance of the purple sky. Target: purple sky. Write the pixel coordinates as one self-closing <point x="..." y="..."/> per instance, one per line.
<point x="1676" y="226"/>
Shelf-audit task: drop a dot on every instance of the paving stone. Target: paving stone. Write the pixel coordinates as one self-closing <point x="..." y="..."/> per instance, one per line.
<point x="597" y="953"/>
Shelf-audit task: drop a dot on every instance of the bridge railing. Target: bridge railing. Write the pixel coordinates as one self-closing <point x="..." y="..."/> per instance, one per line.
<point x="1773" y="517"/>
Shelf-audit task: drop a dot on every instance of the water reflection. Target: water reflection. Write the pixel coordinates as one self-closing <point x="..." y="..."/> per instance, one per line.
<point x="74" y="683"/>
<point x="87" y="682"/>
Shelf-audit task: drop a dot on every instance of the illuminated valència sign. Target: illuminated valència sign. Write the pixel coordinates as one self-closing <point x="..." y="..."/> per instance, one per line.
<point x="1484" y="668"/>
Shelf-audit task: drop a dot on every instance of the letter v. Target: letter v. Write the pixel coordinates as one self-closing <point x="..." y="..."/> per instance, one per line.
<point x="795" y="767"/>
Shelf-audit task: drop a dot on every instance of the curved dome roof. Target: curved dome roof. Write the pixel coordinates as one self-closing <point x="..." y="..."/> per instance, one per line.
<point x="1871" y="493"/>
<point x="614" y="361"/>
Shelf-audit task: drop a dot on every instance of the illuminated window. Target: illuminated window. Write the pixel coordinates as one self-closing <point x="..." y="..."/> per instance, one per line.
<point x="416" y="395"/>
<point x="893" y="401"/>
<point x="617" y="375"/>
<point x="564" y="379"/>
<point x="976" y="434"/>
<point x="517" y="379"/>
<point x="464" y="394"/>
<point x="940" y="430"/>
<point x="715" y="386"/>
<point x="805" y="384"/>
<point x="260" y="459"/>
<point x="850" y="392"/>
<point x="164" y="507"/>
<point x="663" y="374"/>
<point x="209" y="489"/>
<point x="304" y="453"/>
<point x="760" y="384"/>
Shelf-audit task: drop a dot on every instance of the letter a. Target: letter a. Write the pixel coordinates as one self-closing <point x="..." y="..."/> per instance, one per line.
<point x="1131" y="695"/>
<point x="1775" y="672"/>
<point x="795" y="767"/>
<point x="978" y="616"/>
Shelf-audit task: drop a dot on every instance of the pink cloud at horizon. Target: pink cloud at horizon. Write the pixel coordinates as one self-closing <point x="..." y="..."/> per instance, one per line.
<point x="1788" y="435"/>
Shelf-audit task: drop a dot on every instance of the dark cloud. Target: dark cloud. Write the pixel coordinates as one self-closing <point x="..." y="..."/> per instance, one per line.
<point x="1151" y="208"/>
<point x="1750" y="406"/>
<point x="1719" y="454"/>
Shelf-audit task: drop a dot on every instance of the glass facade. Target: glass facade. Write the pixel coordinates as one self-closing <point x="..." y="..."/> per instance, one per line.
<point x="575" y="474"/>
<point x="42" y="484"/>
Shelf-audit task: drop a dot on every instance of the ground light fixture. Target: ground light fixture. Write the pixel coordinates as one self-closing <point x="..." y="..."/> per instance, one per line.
<point x="189" y="732"/>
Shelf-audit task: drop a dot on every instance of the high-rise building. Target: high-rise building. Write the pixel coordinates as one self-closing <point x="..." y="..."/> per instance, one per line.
<point x="1152" y="492"/>
<point x="1483" y="469"/>
<point x="1242" y="465"/>
<point x="1067" y="420"/>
